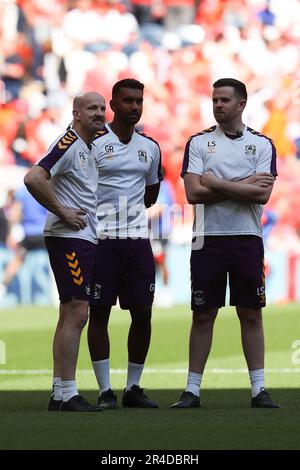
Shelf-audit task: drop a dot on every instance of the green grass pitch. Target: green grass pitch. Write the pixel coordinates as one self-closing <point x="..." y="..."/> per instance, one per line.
<point x="224" y="422"/>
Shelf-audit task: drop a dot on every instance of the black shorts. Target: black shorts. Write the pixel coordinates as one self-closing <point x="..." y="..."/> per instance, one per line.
<point x="240" y="257"/>
<point x="125" y="269"/>
<point x="72" y="261"/>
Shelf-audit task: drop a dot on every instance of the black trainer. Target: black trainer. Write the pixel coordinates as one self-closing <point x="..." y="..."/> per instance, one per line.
<point x="78" y="403"/>
<point x="263" y="400"/>
<point x="107" y="400"/>
<point x="136" y="398"/>
<point x="54" y="405"/>
<point x="187" y="400"/>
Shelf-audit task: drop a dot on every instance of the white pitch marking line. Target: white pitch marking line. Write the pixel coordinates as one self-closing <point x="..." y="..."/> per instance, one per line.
<point x="151" y="371"/>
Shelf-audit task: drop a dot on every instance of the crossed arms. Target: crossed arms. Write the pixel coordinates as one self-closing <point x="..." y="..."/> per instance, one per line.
<point x="208" y="189"/>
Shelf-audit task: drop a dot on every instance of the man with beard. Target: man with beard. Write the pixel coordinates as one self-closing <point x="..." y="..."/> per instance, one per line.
<point x="65" y="182"/>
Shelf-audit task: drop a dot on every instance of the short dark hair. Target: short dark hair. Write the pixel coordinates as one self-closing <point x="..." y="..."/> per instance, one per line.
<point x="126" y="83"/>
<point x="239" y="87"/>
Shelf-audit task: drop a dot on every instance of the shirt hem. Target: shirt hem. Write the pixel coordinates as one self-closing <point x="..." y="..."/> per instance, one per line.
<point x="226" y="233"/>
<point x="60" y="235"/>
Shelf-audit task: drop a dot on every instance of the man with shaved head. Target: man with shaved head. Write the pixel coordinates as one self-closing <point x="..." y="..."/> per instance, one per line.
<point x="65" y="182"/>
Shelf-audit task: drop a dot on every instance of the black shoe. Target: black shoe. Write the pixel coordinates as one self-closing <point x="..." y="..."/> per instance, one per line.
<point x="263" y="400"/>
<point x="187" y="400"/>
<point x="54" y="405"/>
<point x="78" y="403"/>
<point x="107" y="400"/>
<point x="135" y="398"/>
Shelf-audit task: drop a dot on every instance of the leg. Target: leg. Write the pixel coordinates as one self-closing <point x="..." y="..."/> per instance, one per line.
<point x="247" y="287"/>
<point x="199" y="347"/>
<point x="208" y="290"/>
<point x="104" y="292"/>
<point x="137" y="292"/>
<point x="208" y="294"/>
<point x="201" y="339"/>
<point x="138" y="345"/>
<point x="139" y="334"/>
<point x="56" y="344"/>
<point x="75" y="313"/>
<point x="98" y="338"/>
<point x="253" y="345"/>
<point x="98" y="341"/>
<point x="254" y="350"/>
<point x="66" y="254"/>
<point x="252" y="336"/>
<point x="56" y="395"/>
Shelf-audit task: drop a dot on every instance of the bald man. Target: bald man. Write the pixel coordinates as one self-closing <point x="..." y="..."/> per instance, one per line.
<point x="65" y="182"/>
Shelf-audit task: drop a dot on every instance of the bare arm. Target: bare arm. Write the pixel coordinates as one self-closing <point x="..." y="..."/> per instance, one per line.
<point x="260" y="179"/>
<point x="151" y="194"/>
<point x="36" y="181"/>
<point x="250" y="191"/>
<point x="196" y="193"/>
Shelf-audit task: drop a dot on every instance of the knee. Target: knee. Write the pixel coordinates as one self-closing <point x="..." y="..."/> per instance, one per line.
<point x="99" y="317"/>
<point x="79" y="313"/>
<point x="141" y="315"/>
<point x="81" y="320"/>
<point x="250" y="317"/>
<point x="204" y="319"/>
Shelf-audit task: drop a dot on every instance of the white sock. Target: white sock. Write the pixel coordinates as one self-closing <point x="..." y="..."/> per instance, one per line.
<point x="134" y="372"/>
<point x="257" y="379"/>
<point x="194" y="383"/>
<point x="56" y="389"/>
<point x="101" y="369"/>
<point x="69" y="389"/>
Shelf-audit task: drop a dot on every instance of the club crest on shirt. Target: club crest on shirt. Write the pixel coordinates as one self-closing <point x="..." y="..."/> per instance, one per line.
<point x="142" y="155"/>
<point x="250" y="149"/>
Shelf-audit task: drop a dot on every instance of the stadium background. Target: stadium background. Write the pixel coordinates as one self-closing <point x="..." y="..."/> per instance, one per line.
<point x="49" y="52"/>
<point x="52" y="51"/>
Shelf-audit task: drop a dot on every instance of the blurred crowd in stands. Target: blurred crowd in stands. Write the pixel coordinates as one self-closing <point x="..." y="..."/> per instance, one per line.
<point x="50" y="51"/>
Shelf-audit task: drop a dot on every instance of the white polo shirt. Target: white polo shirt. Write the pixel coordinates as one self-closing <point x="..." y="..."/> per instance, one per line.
<point x="74" y="179"/>
<point x="124" y="170"/>
<point x="231" y="159"/>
